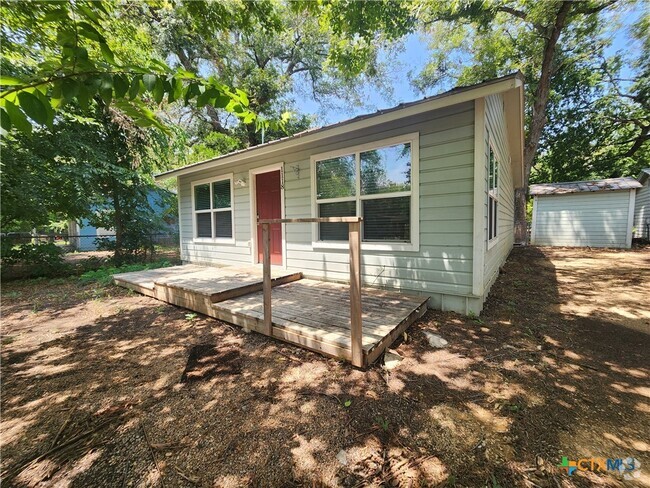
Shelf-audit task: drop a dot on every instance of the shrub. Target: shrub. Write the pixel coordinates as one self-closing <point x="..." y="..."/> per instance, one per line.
<point x="32" y="260"/>
<point x="43" y="254"/>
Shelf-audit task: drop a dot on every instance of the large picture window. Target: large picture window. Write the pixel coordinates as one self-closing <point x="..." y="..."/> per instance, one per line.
<point x="493" y="195"/>
<point x="372" y="181"/>
<point x="213" y="209"/>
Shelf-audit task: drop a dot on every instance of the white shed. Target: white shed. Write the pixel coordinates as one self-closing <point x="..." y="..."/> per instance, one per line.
<point x="642" y="207"/>
<point x="584" y="213"/>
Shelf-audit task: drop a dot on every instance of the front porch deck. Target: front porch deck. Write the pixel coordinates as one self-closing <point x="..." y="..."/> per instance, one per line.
<point x="308" y="313"/>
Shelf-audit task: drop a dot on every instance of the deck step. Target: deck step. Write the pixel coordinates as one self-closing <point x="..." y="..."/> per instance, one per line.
<point x="223" y="288"/>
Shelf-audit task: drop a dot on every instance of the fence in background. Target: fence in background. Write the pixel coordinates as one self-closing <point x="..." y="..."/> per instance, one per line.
<point x="80" y="243"/>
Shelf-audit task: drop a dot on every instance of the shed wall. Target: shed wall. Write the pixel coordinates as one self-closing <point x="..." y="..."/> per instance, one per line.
<point x="598" y="219"/>
<point x="642" y="211"/>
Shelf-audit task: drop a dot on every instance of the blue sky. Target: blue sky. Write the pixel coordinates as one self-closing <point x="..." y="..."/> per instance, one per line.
<point x="414" y="57"/>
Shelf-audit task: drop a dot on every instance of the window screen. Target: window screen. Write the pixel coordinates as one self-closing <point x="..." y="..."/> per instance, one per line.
<point x="223" y="224"/>
<point x="221" y="194"/>
<point x="203" y="227"/>
<point x="387" y="219"/>
<point x="336" y="231"/>
<point x="493" y="194"/>
<point x="202" y="197"/>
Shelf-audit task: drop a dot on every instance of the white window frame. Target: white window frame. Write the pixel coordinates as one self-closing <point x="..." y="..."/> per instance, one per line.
<point x="492" y="194"/>
<point x="211" y="211"/>
<point x="414" y="245"/>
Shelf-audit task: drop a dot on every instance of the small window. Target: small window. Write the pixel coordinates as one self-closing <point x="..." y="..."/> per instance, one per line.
<point x="493" y="195"/>
<point x="213" y="210"/>
<point x="375" y="183"/>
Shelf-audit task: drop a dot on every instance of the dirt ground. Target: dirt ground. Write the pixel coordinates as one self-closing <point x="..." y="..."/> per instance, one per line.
<point x="104" y="387"/>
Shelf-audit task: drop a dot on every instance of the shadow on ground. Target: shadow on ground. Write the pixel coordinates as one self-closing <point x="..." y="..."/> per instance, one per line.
<point x="102" y="387"/>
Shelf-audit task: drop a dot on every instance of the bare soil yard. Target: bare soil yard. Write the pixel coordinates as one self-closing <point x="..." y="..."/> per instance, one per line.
<point x="103" y="387"/>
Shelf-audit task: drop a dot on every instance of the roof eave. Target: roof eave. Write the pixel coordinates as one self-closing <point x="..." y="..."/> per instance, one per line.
<point x="446" y="99"/>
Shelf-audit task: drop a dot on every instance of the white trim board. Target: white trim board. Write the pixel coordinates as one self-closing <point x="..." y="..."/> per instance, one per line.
<point x="480" y="237"/>
<point x="533" y="227"/>
<point x="180" y="225"/>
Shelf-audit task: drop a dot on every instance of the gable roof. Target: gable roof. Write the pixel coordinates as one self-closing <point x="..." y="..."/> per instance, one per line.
<point x="609" y="184"/>
<point x="448" y="98"/>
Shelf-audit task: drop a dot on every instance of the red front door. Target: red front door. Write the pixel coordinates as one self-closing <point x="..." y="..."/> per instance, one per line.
<point x="269" y="206"/>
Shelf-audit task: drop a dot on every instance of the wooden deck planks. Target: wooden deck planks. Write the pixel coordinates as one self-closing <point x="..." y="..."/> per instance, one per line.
<point x="309" y="313"/>
<point x="223" y="284"/>
<point x="321" y="310"/>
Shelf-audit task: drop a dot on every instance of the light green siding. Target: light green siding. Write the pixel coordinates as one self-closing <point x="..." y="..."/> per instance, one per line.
<point x="642" y="211"/>
<point x="497" y="251"/>
<point x="597" y="219"/>
<point x="442" y="267"/>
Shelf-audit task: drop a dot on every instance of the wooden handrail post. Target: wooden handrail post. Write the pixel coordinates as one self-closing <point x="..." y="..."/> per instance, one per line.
<point x="266" y="271"/>
<point x="354" y="230"/>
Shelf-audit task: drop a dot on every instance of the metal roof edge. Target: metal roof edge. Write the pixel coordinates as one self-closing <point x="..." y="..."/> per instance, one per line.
<point x="448" y="98"/>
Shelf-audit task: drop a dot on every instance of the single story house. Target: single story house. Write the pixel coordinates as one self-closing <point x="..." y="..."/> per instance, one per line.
<point x="433" y="180"/>
<point x="642" y="207"/>
<point x="596" y="213"/>
<point x="83" y="236"/>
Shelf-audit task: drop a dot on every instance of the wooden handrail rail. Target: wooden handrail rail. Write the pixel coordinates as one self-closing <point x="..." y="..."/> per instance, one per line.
<point x="318" y="220"/>
<point x="354" y="235"/>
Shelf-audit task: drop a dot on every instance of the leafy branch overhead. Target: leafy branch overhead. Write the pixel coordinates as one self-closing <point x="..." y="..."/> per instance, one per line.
<point x="81" y="66"/>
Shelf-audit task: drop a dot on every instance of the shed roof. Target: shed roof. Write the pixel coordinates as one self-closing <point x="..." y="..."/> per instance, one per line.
<point x="609" y="184"/>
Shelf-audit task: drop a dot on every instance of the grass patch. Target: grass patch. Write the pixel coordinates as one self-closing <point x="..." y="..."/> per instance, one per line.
<point x="12" y="294"/>
<point x="104" y="276"/>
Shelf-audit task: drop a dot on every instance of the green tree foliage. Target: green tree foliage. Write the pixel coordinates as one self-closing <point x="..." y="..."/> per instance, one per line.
<point x="602" y="127"/>
<point x="270" y="61"/>
<point x="58" y="52"/>
<point x="582" y="120"/>
<point x="98" y="168"/>
<point x="81" y="98"/>
<point x="358" y="28"/>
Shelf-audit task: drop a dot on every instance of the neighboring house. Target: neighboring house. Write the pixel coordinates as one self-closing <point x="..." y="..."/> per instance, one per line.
<point x="434" y="181"/>
<point x="83" y="236"/>
<point x="642" y="207"/>
<point x="595" y="213"/>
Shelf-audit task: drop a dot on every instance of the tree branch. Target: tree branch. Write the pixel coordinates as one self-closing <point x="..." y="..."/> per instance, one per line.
<point x="594" y="10"/>
<point x="523" y="16"/>
<point x="642" y="138"/>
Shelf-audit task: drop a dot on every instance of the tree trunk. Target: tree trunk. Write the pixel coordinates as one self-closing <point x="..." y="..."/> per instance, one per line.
<point x="538" y="119"/>
<point x="119" y="227"/>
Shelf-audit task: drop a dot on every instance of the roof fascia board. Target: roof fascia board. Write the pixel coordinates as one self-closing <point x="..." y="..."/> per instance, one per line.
<point x="429" y="105"/>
